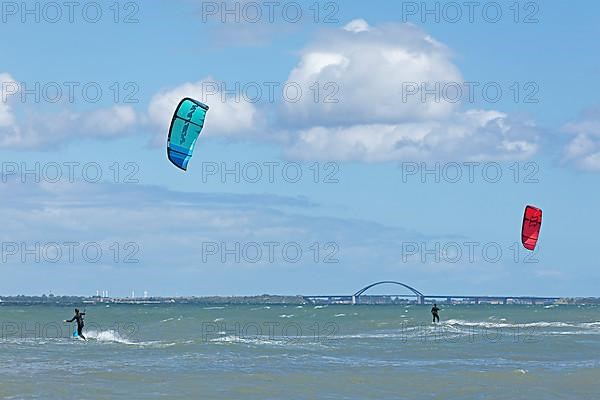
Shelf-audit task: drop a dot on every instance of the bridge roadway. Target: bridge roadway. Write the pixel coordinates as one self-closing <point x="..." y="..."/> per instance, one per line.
<point x="421" y="298"/>
<point x="373" y="299"/>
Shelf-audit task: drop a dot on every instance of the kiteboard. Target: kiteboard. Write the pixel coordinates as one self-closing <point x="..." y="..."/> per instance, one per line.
<point x="76" y="335"/>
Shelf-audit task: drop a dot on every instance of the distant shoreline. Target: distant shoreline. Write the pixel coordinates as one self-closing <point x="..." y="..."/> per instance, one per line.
<point x="238" y="300"/>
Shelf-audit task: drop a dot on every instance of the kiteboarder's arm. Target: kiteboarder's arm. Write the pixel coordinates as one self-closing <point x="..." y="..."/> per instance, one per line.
<point x="70" y="320"/>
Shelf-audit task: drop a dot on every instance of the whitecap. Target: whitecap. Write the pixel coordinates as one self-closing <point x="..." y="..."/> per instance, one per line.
<point x="522" y="371"/>
<point x="107" y="336"/>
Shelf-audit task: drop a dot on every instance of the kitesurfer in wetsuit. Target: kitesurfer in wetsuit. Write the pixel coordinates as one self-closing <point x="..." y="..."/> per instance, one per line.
<point x="79" y="318"/>
<point x="434" y="312"/>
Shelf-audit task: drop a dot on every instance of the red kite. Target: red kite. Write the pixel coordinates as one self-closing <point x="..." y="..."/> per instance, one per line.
<point x="532" y="222"/>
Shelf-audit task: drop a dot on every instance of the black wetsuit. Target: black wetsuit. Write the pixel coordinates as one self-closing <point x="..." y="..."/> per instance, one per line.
<point x="79" y="319"/>
<point x="434" y="312"/>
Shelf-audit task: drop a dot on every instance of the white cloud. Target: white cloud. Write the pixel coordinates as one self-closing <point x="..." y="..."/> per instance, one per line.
<point x="53" y="129"/>
<point x="363" y="69"/>
<point x="227" y="116"/>
<point x="372" y="121"/>
<point x="583" y="150"/>
<point x="472" y="136"/>
<point x="357" y="25"/>
<point x="370" y="67"/>
<point x="44" y="131"/>
<point x="109" y="121"/>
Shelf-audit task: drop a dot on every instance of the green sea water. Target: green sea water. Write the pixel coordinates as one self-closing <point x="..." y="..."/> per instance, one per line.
<point x="302" y="352"/>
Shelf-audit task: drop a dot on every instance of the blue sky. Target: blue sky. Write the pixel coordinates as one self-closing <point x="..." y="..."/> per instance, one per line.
<point x="363" y="144"/>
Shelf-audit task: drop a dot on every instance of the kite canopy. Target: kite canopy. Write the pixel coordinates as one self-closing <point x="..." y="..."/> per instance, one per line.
<point x="532" y="222"/>
<point x="185" y="129"/>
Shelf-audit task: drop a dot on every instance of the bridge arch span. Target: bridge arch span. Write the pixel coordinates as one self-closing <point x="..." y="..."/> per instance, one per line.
<point x="418" y="294"/>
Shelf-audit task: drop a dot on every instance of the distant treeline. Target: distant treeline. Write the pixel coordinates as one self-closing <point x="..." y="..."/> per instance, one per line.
<point x="44" y="299"/>
<point x="77" y="300"/>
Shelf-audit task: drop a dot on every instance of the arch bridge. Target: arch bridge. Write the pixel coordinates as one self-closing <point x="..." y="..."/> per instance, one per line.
<point x="356" y="296"/>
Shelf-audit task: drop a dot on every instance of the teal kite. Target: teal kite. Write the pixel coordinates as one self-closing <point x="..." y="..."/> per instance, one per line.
<point x="185" y="129"/>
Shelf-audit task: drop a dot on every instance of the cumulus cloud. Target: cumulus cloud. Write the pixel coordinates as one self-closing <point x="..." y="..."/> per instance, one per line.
<point x="357" y="104"/>
<point x="583" y="149"/>
<point x="375" y="117"/>
<point x="228" y="115"/>
<point x="370" y="67"/>
<point x="475" y="135"/>
<point x="48" y="130"/>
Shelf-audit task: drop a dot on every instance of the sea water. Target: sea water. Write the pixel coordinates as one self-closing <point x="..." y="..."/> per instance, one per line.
<point x="302" y="352"/>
